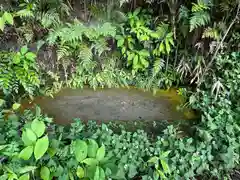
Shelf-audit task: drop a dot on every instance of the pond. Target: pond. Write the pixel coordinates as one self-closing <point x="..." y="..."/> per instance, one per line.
<point x="122" y="105"/>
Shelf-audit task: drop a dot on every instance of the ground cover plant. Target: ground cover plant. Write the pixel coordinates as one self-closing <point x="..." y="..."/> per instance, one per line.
<point x="192" y="46"/>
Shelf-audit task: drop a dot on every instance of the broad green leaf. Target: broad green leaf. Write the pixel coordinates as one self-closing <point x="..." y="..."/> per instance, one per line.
<point x="162" y="48"/>
<point x="2" y="23"/>
<point x="45" y="173"/>
<point x="30" y="56"/>
<point x="24" y="50"/>
<point x="132" y="171"/>
<point x="80" y="150"/>
<point x="80" y="172"/>
<point x="161" y="174"/>
<point x="8" y="17"/>
<point x="168" y="48"/>
<point x="165" y="166"/>
<point x="26" y="153"/>
<point x="120" y="42"/>
<point x="12" y="117"/>
<point x="26" y="140"/>
<point x="31" y="135"/>
<point x="15" y="106"/>
<point x="38" y="111"/>
<point x="101" y="174"/>
<point x="41" y="147"/>
<point x="135" y="61"/>
<point x="27" y="169"/>
<point x="24" y="177"/>
<point x="92" y="148"/>
<point x="96" y="174"/>
<point x="100" y="153"/>
<point x="1" y="102"/>
<point x="3" y="147"/>
<point x="17" y="58"/>
<point x="38" y="127"/>
<point x="90" y="161"/>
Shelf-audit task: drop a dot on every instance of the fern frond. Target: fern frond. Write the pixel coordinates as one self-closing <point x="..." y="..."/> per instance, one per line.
<point x="63" y="51"/>
<point x="25" y="13"/>
<point x="100" y="46"/>
<point x="85" y="53"/>
<point x="107" y="29"/>
<point x="199" y="19"/>
<point x="201" y="5"/>
<point x="211" y="33"/>
<point x="183" y="13"/>
<point x="157" y="66"/>
<point x="49" y="18"/>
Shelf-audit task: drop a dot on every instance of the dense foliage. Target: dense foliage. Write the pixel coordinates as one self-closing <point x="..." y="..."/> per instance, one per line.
<point x="150" y="44"/>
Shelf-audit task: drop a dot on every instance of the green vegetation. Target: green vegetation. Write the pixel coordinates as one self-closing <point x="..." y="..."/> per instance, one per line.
<point x="150" y="44"/>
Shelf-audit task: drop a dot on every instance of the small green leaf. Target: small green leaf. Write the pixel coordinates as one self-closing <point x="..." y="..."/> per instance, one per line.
<point x="90" y="161"/>
<point x="2" y="102"/>
<point x="25" y="139"/>
<point x="38" y="127"/>
<point x="100" y="153"/>
<point x="24" y="177"/>
<point x="26" y="153"/>
<point x="120" y="42"/>
<point x="31" y="135"/>
<point x="27" y="169"/>
<point x="24" y="50"/>
<point x="96" y="174"/>
<point x="153" y="160"/>
<point x="92" y="148"/>
<point x="80" y="150"/>
<point x="2" y="23"/>
<point x="30" y="56"/>
<point x="8" y="17"/>
<point x="101" y="174"/>
<point x="41" y="147"/>
<point x="15" y="106"/>
<point x="80" y="172"/>
<point x="165" y="166"/>
<point x="45" y="173"/>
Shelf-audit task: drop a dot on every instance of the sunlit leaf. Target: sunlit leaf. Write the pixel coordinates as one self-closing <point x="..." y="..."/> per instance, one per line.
<point x="100" y="153"/>
<point x="26" y="153"/>
<point x="92" y="148"/>
<point x="38" y="127"/>
<point x="45" y="173"/>
<point x="80" y="150"/>
<point x="41" y="147"/>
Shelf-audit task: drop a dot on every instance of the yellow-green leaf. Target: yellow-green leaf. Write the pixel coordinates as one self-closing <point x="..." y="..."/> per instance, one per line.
<point x="15" y="106"/>
<point x="8" y="17"/>
<point x="80" y="150"/>
<point x="41" y="147"/>
<point x="80" y="172"/>
<point x="92" y="148"/>
<point x="100" y="153"/>
<point x="2" y="23"/>
<point x="31" y="135"/>
<point x="45" y="173"/>
<point x="38" y="127"/>
<point x="24" y="177"/>
<point x="1" y="102"/>
<point x="90" y="161"/>
<point x="26" y="153"/>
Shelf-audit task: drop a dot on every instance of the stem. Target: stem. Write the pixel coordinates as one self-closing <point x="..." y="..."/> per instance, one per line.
<point x="219" y="46"/>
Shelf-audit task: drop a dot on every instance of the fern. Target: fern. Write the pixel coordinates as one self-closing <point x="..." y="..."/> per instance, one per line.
<point x="157" y="66"/>
<point x="211" y="33"/>
<point x="100" y="46"/>
<point x="183" y="13"/>
<point x="25" y="13"/>
<point x="199" y="19"/>
<point x="85" y="53"/>
<point x="63" y="51"/>
<point x="201" y="5"/>
<point x="48" y="19"/>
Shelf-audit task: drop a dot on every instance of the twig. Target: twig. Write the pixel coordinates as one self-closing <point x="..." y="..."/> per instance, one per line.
<point x="220" y="44"/>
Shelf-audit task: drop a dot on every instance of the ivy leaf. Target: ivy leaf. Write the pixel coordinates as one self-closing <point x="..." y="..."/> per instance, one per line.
<point x="45" y="173"/>
<point x="38" y="127"/>
<point x="26" y="153"/>
<point x="8" y="17"/>
<point x="31" y="135"/>
<point x="41" y="147"/>
<point x="24" y="177"/>
<point x="100" y="153"/>
<point x="15" y="106"/>
<point x="80" y="172"/>
<point x="2" y="23"/>
<point x="92" y="148"/>
<point x="27" y="169"/>
<point x="90" y="161"/>
<point x="80" y="150"/>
